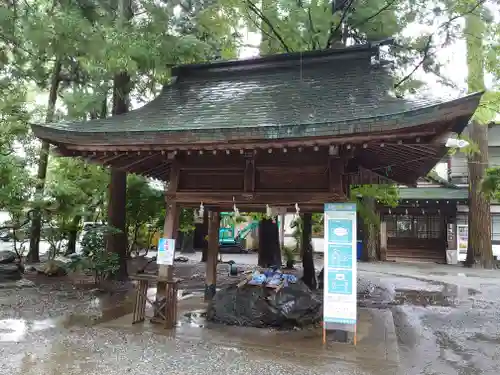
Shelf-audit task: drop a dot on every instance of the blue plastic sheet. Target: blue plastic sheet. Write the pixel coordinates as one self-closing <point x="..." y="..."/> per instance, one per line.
<point x="272" y="277"/>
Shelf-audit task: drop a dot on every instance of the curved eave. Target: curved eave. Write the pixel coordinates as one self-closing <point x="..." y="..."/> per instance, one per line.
<point x="450" y="116"/>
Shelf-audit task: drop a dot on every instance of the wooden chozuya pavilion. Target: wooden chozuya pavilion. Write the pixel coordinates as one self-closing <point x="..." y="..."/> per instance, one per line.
<point x="277" y="130"/>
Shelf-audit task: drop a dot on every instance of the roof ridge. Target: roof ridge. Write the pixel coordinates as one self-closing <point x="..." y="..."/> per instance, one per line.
<point x="355" y="51"/>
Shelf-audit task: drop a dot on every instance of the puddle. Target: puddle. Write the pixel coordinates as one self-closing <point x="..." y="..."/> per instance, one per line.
<point x="181" y="294"/>
<point x="15" y="330"/>
<point x="196" y="318"/>
<point x="449" y="296"/>
<point x="439" y="273"/>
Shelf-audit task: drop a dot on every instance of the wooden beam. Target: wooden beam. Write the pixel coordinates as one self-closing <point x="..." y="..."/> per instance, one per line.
<point x="249" y="177"/>
<point x="136" y="162"/>
<point x="422" y="132"/>
<point x="173" y="183"/>
<point x="335" y="172"/>
<point x="276" y="198"/>
<point x="103" y="159"/>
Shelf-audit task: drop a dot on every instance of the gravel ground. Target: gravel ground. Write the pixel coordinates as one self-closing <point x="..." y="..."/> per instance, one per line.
<point x="101" y="351"/>
<point x="33" y="341"/>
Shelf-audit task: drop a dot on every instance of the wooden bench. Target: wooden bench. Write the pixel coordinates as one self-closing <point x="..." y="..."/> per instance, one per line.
<point x="164" y="309"/>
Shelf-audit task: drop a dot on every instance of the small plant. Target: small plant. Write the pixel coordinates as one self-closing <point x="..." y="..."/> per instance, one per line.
<point x="55" y="236"/>
<point x="94" y="258"/>
<point x="289" y="255"/>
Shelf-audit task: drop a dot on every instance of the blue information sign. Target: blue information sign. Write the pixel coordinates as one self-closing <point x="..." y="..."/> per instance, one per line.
<point x="339" y="256"/>
<point x="340" y="282"/>
<point x="340" y="292"/>
<point x="340" y="231"/>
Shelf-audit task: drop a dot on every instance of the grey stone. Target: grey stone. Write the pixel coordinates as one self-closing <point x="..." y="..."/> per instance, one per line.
<point x="7" y="257"/>
<point x="10" y="272"/>
<point x="53" y="268"/>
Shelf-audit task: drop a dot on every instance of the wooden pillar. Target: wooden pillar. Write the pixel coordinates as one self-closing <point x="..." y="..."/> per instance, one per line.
<point x="165" y="272"/>
<point x="309" y="276"/>
<point x="213" y="250"/>
<point x="118" y="243"/>
<point x="204" y="249"/>
<point x="383" y="240"/>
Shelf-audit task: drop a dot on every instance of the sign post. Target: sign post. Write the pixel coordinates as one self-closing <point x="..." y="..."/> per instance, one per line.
<point x="166" y="251"/>
<point x="340" y="279"/>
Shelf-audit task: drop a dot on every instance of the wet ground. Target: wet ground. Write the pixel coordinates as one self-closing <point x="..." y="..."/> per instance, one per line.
<point x="447" y="318"/>
<point x="440" y="319"/>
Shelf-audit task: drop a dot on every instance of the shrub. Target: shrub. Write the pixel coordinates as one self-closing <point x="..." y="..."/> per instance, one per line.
<point x="94" y="257"/>
<point x="289" y="255"/>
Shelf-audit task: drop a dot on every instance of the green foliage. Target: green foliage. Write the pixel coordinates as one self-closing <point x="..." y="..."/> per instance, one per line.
<point x="75" y="187"/>
<point x="387" y="195"/>
<point x="186" y="220"/>
<point x="92" y="44"/>
<point x="95" y="259"/>
<point x="16" y="183"/>
<point x="55" y="234"/>
<point x="144" y="211"/>
<point x="296" y="225"/>
<point x="290" y="255"/>
<point x="317" y="225"/>
<point x="490" y="185"/>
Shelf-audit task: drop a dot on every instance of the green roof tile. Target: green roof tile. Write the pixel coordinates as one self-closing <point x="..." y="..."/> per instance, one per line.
<point x="301" y="96"/>
<point x="433" y="193"/>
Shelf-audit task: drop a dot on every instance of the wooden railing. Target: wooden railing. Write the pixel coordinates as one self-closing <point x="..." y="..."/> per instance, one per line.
<point x="164" y="305"/>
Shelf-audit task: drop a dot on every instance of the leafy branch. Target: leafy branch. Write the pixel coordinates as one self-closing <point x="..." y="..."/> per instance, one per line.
<point x="426" y="50"/>
<point x="266" y="20"/>
<point x="334" y="31"/>
<point x="376" y="14"/>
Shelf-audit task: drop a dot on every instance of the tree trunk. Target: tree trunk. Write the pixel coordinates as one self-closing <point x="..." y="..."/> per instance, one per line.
<point x="309" y="276"/>
<point x="371" y="248"/>
<point x="204" y="233"/>
<point x="269" y="244"/>
<point x="117" y="243"/>
<point x="73" y="235"/>
<point x="479" y="249"/>
<point x="188" y="242"/>
<point x="43" y="161"/>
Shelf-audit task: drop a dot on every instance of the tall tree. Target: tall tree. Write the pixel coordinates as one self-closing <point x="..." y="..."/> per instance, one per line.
<point x="118" y="243"/>
<point x="479" y="250"/>
<point x="43" y="162"/>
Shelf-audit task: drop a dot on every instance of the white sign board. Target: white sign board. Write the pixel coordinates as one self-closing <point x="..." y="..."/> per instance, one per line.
<point x="340" y="283"/>
<point x="462" y="241"/>
<point x="166" y="251"/>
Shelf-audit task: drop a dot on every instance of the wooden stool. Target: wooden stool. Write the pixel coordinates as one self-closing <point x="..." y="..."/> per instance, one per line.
<point x="164" y="310"/>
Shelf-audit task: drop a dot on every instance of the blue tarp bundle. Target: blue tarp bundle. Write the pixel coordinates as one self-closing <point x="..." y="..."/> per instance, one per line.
<point x="271" y="277"/>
